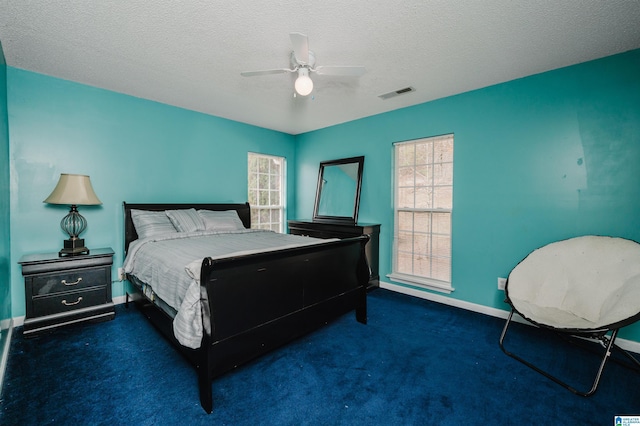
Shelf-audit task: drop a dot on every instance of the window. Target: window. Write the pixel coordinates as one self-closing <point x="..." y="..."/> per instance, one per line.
<point x="423" y="205"/>
<point x="266" y="191"/>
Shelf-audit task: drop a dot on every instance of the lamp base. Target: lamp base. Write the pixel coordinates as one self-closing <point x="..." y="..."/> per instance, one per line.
<point x="73" y="247"/>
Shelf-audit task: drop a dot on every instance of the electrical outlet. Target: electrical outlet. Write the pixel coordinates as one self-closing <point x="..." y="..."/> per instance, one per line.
<point x="502" y="282"/>
<point x="120" y="274"/>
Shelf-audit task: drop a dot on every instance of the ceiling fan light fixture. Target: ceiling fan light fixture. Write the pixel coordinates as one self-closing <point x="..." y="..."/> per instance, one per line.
<point x="304" y="84"/>
<point x="303" y="62"/>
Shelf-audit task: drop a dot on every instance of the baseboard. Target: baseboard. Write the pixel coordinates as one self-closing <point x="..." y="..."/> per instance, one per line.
<point x="629" y="345"/>
<point x="4" y="351"/>
<point x="119" y="300"/>
<point x="6" y="323"/>
<point x="18" y="321"/>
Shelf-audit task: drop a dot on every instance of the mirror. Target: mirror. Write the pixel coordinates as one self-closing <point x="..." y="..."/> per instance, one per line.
<point x="338" y="191"/>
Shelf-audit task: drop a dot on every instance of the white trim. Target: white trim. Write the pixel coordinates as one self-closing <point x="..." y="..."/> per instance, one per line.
<point x="281" y="207"/>
<point x="436" y="138"/>
<point x="629" y="345"/>
<point x="123" y="299"/>
<point x="18" y="321"/>
<point x="5" y="323"/>
<point x="428" y="283"/>
<point x="5" y="350"/>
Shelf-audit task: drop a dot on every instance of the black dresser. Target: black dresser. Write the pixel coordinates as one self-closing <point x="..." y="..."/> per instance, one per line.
<point x="66" y="290"/>
<point x="332" y="230"/>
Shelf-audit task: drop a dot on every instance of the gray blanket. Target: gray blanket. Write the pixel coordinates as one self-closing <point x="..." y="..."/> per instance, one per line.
<point x="170" y="264"/>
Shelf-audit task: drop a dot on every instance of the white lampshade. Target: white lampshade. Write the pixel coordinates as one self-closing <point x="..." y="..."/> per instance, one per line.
<point x="304" y="84"/>
<point x="73" y="190"/>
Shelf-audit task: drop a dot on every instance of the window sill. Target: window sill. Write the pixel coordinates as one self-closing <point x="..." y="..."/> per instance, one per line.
<point x="427" y="283"/>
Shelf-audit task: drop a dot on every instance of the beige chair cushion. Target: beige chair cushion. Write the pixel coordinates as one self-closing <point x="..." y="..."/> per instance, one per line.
<point x="586" y="282"/>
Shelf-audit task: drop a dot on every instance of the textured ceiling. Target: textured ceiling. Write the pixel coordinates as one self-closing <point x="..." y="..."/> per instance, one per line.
<point x="190" y="53"/>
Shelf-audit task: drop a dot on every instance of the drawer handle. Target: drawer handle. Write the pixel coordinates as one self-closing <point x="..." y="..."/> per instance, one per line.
<point x="73" y="283"/>
<point x="65" y="303"/>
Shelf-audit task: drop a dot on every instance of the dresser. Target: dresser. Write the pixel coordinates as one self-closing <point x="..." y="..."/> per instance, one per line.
<point x="66" y="290"/>
<point x="333" y="230"/>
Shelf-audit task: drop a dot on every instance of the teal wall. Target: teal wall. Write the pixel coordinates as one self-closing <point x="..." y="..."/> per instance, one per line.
<point x="134" y="150"/>
<point x="5" y="240"/>
<point x="536" y="160"/>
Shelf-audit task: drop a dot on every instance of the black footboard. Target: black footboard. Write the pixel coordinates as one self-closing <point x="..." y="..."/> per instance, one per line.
<point x="253" y="304"/>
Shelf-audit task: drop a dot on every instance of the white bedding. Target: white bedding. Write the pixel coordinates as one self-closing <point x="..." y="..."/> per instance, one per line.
<point x="171" y="263"/>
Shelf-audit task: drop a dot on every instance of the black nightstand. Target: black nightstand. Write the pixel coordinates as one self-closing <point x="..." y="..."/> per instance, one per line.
<point x="66" y="290"/>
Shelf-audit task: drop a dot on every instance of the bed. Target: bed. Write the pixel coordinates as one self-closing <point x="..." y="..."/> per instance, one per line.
<point x="581" y="288"/>
<point x="248" y="302"/>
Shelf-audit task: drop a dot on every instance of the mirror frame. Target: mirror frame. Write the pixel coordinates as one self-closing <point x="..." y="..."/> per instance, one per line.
<point x="353" y="219"/>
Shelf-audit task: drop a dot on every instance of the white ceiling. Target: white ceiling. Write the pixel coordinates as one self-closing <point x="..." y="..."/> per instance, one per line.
<point x="189" y="53"/>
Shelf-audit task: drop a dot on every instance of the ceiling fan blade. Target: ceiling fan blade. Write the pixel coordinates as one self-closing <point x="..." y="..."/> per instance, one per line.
<point x="300" y="44"/>
<point x="265" y="72"/>
<point x="337" y="70"/>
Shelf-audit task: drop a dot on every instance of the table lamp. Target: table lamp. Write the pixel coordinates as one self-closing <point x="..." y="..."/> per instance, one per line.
<point x="73" y="190"/>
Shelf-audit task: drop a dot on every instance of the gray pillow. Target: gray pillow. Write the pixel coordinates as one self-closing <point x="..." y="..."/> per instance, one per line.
<point x="149" y="224"/>
<point x="226" y="220"/>
<point x="186" y="220"/>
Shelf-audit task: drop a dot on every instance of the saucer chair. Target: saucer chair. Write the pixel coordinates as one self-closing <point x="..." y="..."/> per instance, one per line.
<point x="583" y="287"/>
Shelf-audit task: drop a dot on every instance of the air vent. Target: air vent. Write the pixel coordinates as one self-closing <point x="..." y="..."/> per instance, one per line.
<point x="396" y="93"/>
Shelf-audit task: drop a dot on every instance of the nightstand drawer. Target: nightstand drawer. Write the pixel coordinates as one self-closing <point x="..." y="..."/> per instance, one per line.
<point x="67" y="281"/>
<point x="69" y="301"/>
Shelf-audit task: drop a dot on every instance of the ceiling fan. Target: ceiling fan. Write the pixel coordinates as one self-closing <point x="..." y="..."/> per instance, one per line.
<point x="303" y="62"/>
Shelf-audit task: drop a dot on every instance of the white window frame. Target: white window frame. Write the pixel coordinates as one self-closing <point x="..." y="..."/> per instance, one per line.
<point x="267" y="212"/>
<point x="442" y="235"/>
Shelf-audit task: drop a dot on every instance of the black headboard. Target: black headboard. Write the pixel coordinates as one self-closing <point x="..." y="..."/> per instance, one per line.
<point x="243" y="209"/>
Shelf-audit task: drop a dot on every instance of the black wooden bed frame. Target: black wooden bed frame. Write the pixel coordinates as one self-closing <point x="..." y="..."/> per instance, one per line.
<point x="254" y="303"/>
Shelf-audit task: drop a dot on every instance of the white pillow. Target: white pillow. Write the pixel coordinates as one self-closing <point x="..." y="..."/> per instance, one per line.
<point x="226" y="220"/>
<point x="186" y="220"/>
<point x="149" y="223"/>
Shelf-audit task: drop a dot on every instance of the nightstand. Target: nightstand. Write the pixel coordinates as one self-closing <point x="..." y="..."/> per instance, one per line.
<point x="66" y="290"/>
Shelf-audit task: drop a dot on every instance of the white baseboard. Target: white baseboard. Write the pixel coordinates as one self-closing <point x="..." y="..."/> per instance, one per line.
<point x="629" y="345"/>
<point x="5" y="324"/>
<point x="4" y="351"/>
<point x="18" y="321"/>
<point x="123" y="299"/>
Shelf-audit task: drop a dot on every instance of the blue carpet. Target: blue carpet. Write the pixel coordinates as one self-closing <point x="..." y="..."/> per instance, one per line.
<point x="416" y="362"/>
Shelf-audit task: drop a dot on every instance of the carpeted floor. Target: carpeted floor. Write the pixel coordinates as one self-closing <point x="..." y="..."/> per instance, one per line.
<point x="416" y="362"/>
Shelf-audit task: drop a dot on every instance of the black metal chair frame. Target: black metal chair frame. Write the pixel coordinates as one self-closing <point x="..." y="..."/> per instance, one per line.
<point x="602" y="335"/>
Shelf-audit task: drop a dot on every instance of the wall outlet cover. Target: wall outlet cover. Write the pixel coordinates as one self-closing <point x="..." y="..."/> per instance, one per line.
<point x="502" y="282"/>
